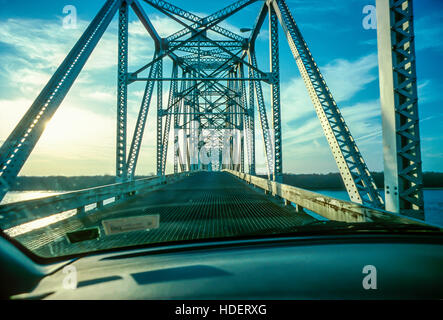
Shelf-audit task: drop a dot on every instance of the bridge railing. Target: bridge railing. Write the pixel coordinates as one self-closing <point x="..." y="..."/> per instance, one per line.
<point x="77" y="202"/>
<point x="327" y="207"/>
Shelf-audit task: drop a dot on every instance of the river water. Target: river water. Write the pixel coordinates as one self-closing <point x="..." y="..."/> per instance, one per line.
<point x="433" y="200"/>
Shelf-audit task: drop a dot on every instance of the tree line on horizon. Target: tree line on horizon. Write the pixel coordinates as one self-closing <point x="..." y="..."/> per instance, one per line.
<point x="333" y="181"/>
<point x="329" y="181"/>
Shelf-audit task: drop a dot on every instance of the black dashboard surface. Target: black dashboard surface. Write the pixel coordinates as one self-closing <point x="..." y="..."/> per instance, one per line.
<point x="266" y="269"/>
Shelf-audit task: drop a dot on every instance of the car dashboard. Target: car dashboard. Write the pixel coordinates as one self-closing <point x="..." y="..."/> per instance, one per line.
<point x="345" y="267"/>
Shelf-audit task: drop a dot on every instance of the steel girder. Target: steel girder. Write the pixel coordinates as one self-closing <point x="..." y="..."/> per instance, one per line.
<point x="194" y="129"/>
<point x="202" y="59"/>
<point x="177" y="108"/>
<point x="159" y="117"/>
<point x="258" y="24"/>
<point x="196" y="33"/>
<point x="267" y="138"/>
<point x="20" y="143"/>
<point x="275" y="95"/>
<point x="245" y="122"/>
<point x="198" y="21"/>
<point x="172" y="97"/>
<point x="204" y="43"/>
<point x="136" y="7"/>
<point x="357" y="179"/>
<point x="122" y="93"/>
<point x="214" y="53"/>
<point x="242" y="103"/>
<point x="251" y="118"/>
<point x="399" y="103"/>
<point x="140" y="124"/>
<point x="203" y="79"/>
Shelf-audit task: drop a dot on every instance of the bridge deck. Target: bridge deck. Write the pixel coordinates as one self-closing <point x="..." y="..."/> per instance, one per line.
<point x="203" y="205"/>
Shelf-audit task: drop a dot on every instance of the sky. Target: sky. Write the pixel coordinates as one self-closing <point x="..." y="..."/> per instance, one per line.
<point x="80" y="138"/>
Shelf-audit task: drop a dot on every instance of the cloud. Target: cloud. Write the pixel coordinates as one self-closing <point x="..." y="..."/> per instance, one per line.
<point x="325" y="13"/>
<point x="319" y="5"/>
<point x="80" y="139"/>
<point x="30" y="58"/>
<point x="12" y="111"/>
<point x="163" y="25"/>
<point x="345" y="79"/>
<point x="361" y="118"/>
<point x="48" y="43"/>
<point x="429" y="33"/>
<point x="302" y="131"/>
<point x="306" y="149"/>
<point x="104" y="95"/>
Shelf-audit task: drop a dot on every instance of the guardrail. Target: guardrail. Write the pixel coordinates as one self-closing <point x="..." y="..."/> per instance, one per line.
<point x="82" y="201"/>
<point x="328" y="207"/>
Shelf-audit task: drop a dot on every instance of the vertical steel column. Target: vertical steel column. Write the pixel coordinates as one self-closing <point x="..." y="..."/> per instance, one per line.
<point x="251" y="119"/>
<point x="234" y="106"/>
<point x="139" y="130"/>
<point x="178" y="108"/>
<point x="187" y="125"/>
<point x="398" y="98"/>
<point x="122" y="93"/>
<point x="195" y="131"/>
<point x="267" y="140"/>
<point x="171" y="100"/>
<point x="275" y="94"/>
<point x="243" y="120"/>
<point x="227" y="138"/>
<point x="159" y="116"/>
<point x="232" y="119"/>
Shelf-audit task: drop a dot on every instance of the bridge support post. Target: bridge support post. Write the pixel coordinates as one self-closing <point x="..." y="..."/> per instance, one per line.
<point x="171" y="103"/>
<point x="246" y="142"/>
<point x="122" y="93"/>
<point x="275" y="94"/>
<point x="251" y="119"/>
<point x="267" y="140"/>
<point x="299" y="208"/>
<point x="100" y="204"/>
<point x="240" y="116"/>
<point x="81" y="212"/>
<point x="137" y="138"/>
<point x="398" y="97"/>
<point x="159" y="116"/>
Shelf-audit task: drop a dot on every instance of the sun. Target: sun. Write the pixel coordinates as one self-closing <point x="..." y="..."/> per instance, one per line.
<point x="72" y="126"/>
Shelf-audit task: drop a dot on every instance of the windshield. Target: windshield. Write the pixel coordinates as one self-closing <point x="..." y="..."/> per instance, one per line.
<point x="135" y="124"/>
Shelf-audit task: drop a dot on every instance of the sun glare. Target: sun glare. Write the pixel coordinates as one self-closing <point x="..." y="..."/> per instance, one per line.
<point x="72" y="126"/>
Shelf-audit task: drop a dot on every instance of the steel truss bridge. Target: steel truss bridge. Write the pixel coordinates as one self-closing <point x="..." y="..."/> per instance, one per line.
<point x="215" y="88"/>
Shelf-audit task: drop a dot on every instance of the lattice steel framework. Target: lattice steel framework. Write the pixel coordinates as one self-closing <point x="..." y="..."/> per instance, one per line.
<point x="398" y="92"/>
<point x="212" y="99"/>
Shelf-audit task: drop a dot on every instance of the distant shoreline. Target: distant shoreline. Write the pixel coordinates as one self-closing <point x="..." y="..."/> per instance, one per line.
<point x="330" y="181"/>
